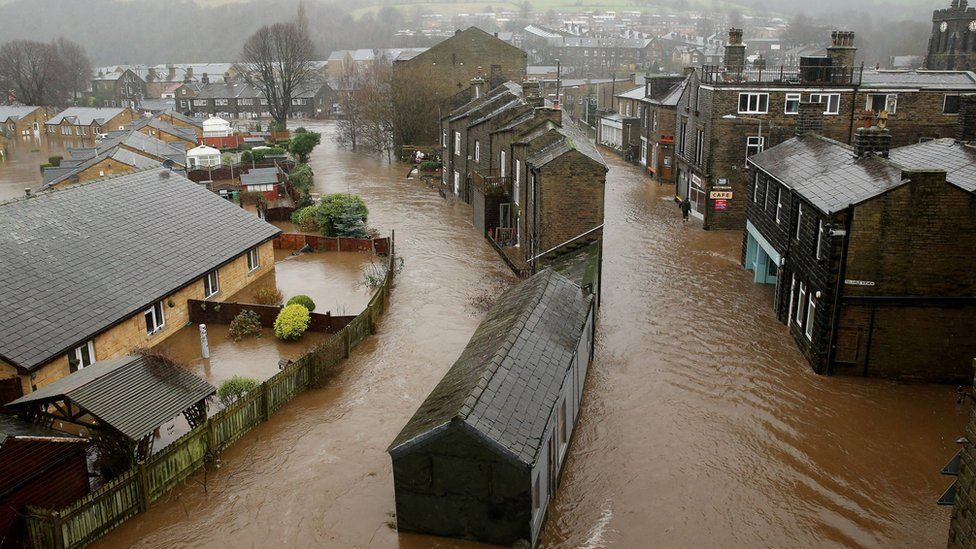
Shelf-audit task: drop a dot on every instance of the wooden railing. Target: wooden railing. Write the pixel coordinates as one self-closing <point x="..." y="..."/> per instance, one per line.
<point x="131" y="493"/>
<point x="490" y="182"/>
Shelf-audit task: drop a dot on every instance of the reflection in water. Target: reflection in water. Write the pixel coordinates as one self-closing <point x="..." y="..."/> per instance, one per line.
<point x="702" y="425"/>
<point x="20" y="165"/>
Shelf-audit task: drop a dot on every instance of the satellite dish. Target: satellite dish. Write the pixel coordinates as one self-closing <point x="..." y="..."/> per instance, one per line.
<point x="168" y="164"/>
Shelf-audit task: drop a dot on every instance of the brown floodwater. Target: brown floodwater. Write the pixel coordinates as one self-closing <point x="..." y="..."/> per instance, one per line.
<point x="20" y="165"/>
<point x="702" y="425"/>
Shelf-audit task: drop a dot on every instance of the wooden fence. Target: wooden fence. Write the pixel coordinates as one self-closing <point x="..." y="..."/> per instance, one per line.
<point x="223" y="312"/>
<point x="296" y="241"/>
<point x="131" y="493"/>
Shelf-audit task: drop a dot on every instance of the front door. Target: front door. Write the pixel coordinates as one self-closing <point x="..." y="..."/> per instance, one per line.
<point x="696" y="194"/>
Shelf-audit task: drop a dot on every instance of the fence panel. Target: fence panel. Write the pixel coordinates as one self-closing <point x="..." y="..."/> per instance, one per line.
<point x="176" y="462"/>
<point x="233" y="422"/>
<point x="100" y="511"/>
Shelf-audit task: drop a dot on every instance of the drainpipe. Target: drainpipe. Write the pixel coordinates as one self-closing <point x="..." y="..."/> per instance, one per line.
<point x="838" y="288"/>
<point x="850" y="126"/>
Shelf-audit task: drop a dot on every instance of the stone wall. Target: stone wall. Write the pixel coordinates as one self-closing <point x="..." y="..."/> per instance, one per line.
<point x="962" y="527"/>
<point x="571" y="191"/>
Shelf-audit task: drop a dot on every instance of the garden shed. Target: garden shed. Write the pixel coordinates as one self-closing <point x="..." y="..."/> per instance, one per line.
<point x="481" y="457"/>
<point x="121" y="400"/>
<point x="202" y="157"/>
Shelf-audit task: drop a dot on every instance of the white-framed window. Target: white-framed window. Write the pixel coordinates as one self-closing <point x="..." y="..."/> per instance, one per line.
<point x="457" y="182"/>
<point x="699" y="146"/>
<point x="248" y="101"/>
<point x="811" y="315"/>
<point x="799" y="221"/>
<point x="563" y="428"/>
<point x="220" y="102"/>
<point x="753" y="103"/>
<point x="155" y="318"/>
<point x="253" y="259"/>
<point x="789" y="312"/>
<point x="831" y="101"/>
<point x="877" y="102"/>
<point x="755" y="187"/>
<point x="199" y="102"/>
<point x="820" y="239"/>
<point x="792" y="105"/>
<point x="951" y="104"/>
<point x="501" y="163"/>
<point x="477" y="151"/>
<point x="779" y="202"/>
<point x="265" y="187"/>
<point x="698" y="99"/>
<point x="517" y="183"/>
<point x="444" y="139"/>
<point x="754" y="145"/>
<point x="800" y="305"/>
<point x="211" y="284"/>
<point x="457" y="143"/>
<point x="84" y="355"/>
<point x="536" y="495"/>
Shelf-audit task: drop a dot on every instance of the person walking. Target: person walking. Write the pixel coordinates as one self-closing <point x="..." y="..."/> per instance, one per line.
<point x="685" y="209"/>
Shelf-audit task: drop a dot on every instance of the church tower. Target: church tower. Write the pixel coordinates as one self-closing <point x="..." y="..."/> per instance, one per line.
<point x="953" y="42"/>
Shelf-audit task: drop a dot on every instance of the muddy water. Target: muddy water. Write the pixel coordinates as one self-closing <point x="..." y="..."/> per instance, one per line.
<point x="702" y="424"/>
<point x="22" y="158"/>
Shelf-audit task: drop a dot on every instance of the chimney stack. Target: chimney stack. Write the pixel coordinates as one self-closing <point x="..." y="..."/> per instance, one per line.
<point x="873" y="140"/>
<point x="841" y="51"/>
<point x="204" y="79"/>
<point x="477" y="87"/>
<point x="966" y="121"/>
<point x="735" y="51"/>
<point x="809" y="118"/>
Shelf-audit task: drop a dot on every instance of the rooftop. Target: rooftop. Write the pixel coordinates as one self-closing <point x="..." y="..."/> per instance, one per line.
<point x="507" y="380"/>
<point x="86" y="116"/>
<point x="80" y="259"/>
<point x="15" y="112"/>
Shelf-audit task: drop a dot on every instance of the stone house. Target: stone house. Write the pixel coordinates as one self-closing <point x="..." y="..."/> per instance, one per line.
<point x="620" y="129"/>
<point x="184" y="94"/>
<point x="584" y="99"/>
<point x="482" y="456"/>
<point x="229" y="100"/>
<point x="445" y="72"/>
<point x="22" y="121"/>
<point x="870" y="251"/>
<point x="90" y="121"/>
<point x="179" y="120"/>
<point x="123" y="153"/>
<point x="730" y="112"/>
<point x="124" y="88"/>
<point x="159" y="128"/>
<point x="598" y="56"/>
<point x="658" y="125"/>
<point x="78" y="287"/>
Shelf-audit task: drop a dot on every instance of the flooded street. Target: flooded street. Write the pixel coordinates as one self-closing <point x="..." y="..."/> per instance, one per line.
<point x="20" y="165"/>
<point x="702" y="425"/>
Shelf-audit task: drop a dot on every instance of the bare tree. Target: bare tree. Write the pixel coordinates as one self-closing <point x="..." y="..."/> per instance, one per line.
<point x="414" y="96"/>
<point x="76" y="67"/>
<point x="349" y="128"/>
<point x="30" y="69"/>
<point x="279" y="59"/>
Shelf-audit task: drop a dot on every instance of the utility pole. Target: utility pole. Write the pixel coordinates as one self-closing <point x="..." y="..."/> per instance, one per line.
<point x="558" y="81"/>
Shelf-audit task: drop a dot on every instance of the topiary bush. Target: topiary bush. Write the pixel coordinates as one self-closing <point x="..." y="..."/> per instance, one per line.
<point x="246" y="324"/>
<point x="234" y="388"/>
<point x="302" y="300"/>
<point x="268" y="296"/>
<point x="292" y="322"/>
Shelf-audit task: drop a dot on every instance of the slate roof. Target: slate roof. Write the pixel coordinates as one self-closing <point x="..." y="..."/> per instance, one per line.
<point x="260" y="176"/>
<point x="948" y="80"/>
<point x="184" y="118"/>
<point x="8" y="113"/>
<point x="131" y="394"/>
<point x="502" y="93"/>
<point x="826" y="172"/>
<point x="80" y="259"/>
<point x="228" y="91"/>
<point x="636" y="93"/>
<point x="506" y="382"/>
<point x="86" y="116"/>
<point x="957" y="159"/>
<point x="572" y="140"/>
<point x="183" y="133"/>
<point x="113" y="148"/>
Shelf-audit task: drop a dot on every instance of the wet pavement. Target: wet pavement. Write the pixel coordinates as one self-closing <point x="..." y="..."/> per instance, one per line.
<point x="702" y="425"/>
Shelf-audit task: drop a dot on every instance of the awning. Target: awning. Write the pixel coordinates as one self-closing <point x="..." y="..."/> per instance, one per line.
<point x="763" y="243"/>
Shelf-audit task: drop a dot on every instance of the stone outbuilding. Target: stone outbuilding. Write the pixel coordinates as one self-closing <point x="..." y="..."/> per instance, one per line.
<point x="481" y="457"/>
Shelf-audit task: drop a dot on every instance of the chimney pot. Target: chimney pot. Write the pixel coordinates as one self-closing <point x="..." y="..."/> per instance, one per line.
<point x="966" y="121"/>
<point x="873" y="140"/>
<point x="27" y="191"/>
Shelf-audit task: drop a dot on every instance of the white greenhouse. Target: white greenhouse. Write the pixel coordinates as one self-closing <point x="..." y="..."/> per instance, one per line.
<point x="202" y="157"/>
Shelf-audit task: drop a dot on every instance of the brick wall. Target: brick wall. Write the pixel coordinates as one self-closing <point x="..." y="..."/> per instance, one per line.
<point x="571" y="199"/>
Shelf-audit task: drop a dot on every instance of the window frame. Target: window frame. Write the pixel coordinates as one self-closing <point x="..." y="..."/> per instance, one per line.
<point x="811" y="315"/>
<point x="800" y="304"/>
<point x="761" y="146"/>
<point x="799" y="221"/>
<point x="211" y="284"/>
<point x="798" y="97"/>
<point x="779" y="203"/>
<point x="820" y="239"/>
<point x="887" y="98"/>
<point x="762" y="103"/>
<point x="699" y="146"/>
<point x="457" y="143"/>
<point x="945" y="101"/>
<point x="477" y="151"/>
<point x="826" y="98"/>
<point x="253" y="259"/>
<point x="517" y="182"/>
<point x="78" y="354"/>
<point x="755" y="187"/>
<point x="157" y="312"/>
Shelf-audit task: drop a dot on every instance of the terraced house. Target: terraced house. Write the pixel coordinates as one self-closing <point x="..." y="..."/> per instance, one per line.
<point x="89" y="121"/>
<point x="124" y="153"/>
<point x="870" y="249"/>
<point x="22" y="120"/>
<point x="730" y="112"/>
<point x="95" y="270"/>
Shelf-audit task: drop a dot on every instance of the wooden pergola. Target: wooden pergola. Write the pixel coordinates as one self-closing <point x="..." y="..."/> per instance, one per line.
<point x="119" y="402"/>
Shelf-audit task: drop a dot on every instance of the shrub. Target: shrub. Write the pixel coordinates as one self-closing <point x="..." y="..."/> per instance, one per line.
<point x="300" y="129"/>
<point x="332" y="208"/>
<point x="292" y="322"/>
<point x="45" y="166"/>
<point x="54" y="160"/>
<point x="302" y="300"/>
<point x="301" y="144"/>
<point x="304" y="218"/>
<point x="246" y="156"/>
<point x="254" y="197"/>
<point x="235" y="387"/>
<point x="268" y="296"/>
<point x="246" y="324"/>
<point x="301" y="178"/>
<point x="429" y="166"/>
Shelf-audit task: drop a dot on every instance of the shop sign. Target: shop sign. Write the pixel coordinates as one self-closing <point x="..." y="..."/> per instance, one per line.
<point x="851" y="282"/>
<point x="720" y="194"/>
<point x="721" y="204"/>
